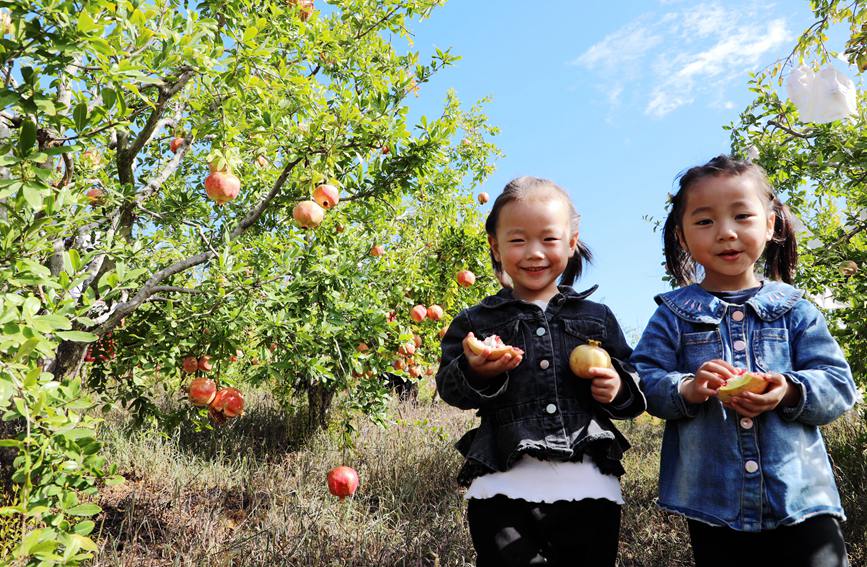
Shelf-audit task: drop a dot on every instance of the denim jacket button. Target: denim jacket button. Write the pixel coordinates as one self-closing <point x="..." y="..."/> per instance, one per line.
<point x="540" y="331"/>
<point x="544" y="364"/>
<point x="746" y="422"/>
<point x="551" y="408"/>
<point x="751" y="466"/>
<point x="739" y="345"/>
<point x="738" y="315"/>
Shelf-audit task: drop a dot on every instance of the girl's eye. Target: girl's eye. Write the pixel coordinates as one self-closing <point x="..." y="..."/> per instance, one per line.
<point x="516" y="240"/>
<point x="703" y="222"/>
<point x="744" y="216"/>
<point x="552" y="239"/>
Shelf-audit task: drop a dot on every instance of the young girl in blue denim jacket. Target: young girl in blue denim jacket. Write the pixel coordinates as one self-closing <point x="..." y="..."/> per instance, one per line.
<point x="751" y="475"/>
<point x="542" y="467"/>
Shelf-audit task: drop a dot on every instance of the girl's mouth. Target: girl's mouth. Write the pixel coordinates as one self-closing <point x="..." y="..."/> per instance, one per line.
<point x="730" y="255"/>
<point x="534" y="269"/>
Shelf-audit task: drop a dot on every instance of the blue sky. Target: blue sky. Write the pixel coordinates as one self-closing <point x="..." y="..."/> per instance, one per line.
<point x="610" y="100"/>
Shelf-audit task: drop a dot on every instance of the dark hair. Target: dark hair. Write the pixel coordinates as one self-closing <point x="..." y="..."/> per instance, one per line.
<point x="519" y="189"/>
<point x="781" y="252"/>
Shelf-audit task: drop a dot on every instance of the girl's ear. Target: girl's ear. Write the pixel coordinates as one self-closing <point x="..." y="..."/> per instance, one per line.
<point x="573" y="242"/>
<point x="772" y="219"/>
<point x="495" y="249"/>
<point x="679" y="233"/>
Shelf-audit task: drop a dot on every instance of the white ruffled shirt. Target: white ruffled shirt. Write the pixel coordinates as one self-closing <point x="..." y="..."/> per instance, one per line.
<point x="534" y="480"/>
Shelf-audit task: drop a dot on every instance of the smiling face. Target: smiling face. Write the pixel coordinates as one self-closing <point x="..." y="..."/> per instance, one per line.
<point x="725" y="228"/>
<point x="533" y="242"/>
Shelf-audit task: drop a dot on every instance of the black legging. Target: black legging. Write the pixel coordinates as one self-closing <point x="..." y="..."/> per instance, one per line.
<point x="511" y="532"/>
<point x="815" y="542"/>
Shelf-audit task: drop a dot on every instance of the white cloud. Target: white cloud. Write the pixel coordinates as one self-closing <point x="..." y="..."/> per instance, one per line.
<point x="629" y="43"/>
<point x="683" y="55"/>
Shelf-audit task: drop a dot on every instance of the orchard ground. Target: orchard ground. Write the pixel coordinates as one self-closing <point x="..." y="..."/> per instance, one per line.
<point x="254" y="493"/>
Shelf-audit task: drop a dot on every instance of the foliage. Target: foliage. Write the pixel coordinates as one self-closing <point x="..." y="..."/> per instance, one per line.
<point x="106" y="234"/>
<point x="821" y="169"/>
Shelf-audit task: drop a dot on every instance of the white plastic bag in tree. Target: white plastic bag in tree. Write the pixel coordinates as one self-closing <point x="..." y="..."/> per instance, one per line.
<point x="821" y="97"/>
<point x="799" y="87"/>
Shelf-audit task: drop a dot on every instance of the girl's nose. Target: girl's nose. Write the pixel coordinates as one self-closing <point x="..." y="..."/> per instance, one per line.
<point x="726" y="232"/>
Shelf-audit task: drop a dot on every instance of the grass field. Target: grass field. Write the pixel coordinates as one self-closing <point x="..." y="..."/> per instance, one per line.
<point x="252" y="494"/>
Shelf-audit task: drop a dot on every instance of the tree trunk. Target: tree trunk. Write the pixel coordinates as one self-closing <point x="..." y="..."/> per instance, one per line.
<point x="318" y="403"/>
<point x="68" y="360"/>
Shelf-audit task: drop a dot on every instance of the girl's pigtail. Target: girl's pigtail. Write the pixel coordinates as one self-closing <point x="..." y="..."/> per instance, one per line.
<point x="575" y="266"/>
<point x="781" y="253"/>
<point x="678" y="262"/>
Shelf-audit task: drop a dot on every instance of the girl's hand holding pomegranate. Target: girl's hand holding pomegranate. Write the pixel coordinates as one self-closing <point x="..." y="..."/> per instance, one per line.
<point x="709" y="377"/>
<point x="485" y="363"/>
<point x="605" y="385"/>
<point x="780" y="391"/>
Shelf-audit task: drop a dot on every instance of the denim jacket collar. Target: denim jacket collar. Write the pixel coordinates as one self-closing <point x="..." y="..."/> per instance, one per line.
<point x="505" y="296"/>
<point x="693" y="303"/>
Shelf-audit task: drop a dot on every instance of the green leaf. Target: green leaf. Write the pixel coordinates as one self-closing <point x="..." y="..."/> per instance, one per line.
<point x="85" y="527"/>
<point x="79" y="115"/>
<point x="77" y="336"/>
<point x="27" y="138"/>
<point x="109" y="97"/>
<point x="84" y="510"/>
<point x="85" y="22"/>
<point x="33" y="196"/>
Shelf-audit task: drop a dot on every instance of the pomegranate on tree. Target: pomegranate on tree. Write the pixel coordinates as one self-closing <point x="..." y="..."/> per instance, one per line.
<point x="326" y="196"/>
<point x="308" y="214"/>
<point x="190" y="364"/>
<point x="342" y="481"/>
<point x="377" y="250"/>
<point x="418" y="313"/>
<point x="466" y="278"/>
<point x="406" y="350"/>
<point x="95" y="195"/>
<point x="204" y="363"/>
<point x="584" y="357"/>
<point x="483" y="198"/>
<point x="305" y="8"/>
<point x="176" y="144"/>
<point x="222" y="186"/>
<point x="229" y="402"/>
<point x="202" y="391"/>
<point x="435" y="312"/>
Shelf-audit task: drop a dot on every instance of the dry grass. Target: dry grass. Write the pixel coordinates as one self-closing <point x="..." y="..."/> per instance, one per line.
<point x="252" y="494"/>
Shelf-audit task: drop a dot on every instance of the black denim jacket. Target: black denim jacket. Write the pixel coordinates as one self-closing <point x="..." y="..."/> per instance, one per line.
<point x="540" y="408"/>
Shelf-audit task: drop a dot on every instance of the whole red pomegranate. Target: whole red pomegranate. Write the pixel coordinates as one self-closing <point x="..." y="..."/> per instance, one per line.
<point x="342" y="481"/>
<point x="222" y="186"/>
<point x="229" y="402"/>
<point x="202" y="391"/>
<point x="190" y="364"/>
<point x="176" y="144"/>
<point x="326" y="196"/>
<point x="204" y="363"/>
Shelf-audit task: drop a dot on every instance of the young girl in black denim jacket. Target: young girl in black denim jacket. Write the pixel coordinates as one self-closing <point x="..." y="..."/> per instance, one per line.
<point x="543" y="466"/>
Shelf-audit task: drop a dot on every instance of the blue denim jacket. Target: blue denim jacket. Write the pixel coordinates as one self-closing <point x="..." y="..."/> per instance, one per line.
<point x="540" y="408"/>
<point x="747" y="474"/>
